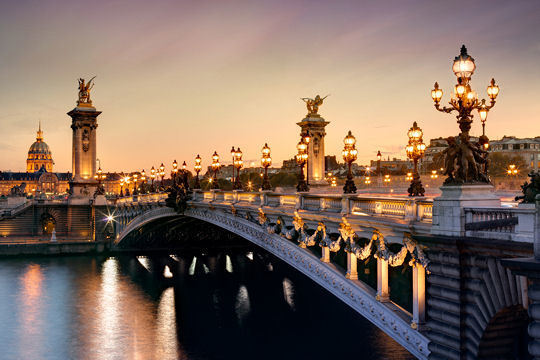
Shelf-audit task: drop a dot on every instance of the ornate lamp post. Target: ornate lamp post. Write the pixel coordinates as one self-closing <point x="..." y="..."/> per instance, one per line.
<point x="237" y="164"/>
<point x="266" y="161"/>
<point x="121" y="187"/>
<point x="185" y="176"/>
<point x="464" y="100"/>
<point x="415" y="150"/>
<point x="379" y="156"/>
<point x="349" y="155"/>
<point x="127" y="180"/>
<point x="135" y="191"/>
<point x="301" y="159"/>
<point x="198" y="168"/>
<point x="174" y="171"/>
<point x="162" y="174"/>
<point x="100" y="176"/>
<point x="512" y="170"/>
<point x="215" y="167"/>
<point x="152" y="177"/>
<point x="306" y="137"/>
<point x="143" y="180"/>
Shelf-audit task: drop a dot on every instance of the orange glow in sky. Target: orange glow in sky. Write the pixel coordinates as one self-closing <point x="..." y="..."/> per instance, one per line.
<point x="181" y="78"/>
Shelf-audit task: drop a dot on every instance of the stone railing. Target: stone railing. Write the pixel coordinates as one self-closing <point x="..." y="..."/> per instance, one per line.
<point x="516" y="224"/>
<point x="156" y="197"/>
<point x="395" y="207"/>
<point x="16" y="208"/>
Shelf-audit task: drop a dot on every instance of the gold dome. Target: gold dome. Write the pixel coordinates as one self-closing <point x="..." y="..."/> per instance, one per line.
<point x="39" y="155"/>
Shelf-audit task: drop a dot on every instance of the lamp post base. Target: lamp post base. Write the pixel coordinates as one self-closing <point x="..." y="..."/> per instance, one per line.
<point x="302" y="186"/>
<point x="350" y="187"/>
<point x="416" y="188"/>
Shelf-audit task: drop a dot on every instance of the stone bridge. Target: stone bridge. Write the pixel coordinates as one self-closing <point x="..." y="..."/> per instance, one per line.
<point x="439" y="296"/>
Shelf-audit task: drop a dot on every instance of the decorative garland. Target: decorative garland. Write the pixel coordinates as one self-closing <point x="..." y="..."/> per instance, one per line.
<point x="347" y="236"/>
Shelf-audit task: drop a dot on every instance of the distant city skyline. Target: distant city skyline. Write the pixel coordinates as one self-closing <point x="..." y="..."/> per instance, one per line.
<point x="177" y="79"/>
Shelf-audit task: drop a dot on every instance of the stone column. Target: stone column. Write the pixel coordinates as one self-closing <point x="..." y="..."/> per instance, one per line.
<point x="352" y="263"/>
<point x="419" y="296"/>
<point x="325" y="254"/>
<point x="315" y="168"/>
<point x="84" y="125"/>
<point x="383" y="295"/>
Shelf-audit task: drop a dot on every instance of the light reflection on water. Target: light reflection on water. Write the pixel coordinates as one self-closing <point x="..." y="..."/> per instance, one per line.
<point x="224" y="306"/>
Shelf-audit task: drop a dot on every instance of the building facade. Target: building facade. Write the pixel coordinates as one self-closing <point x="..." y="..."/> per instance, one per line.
<point x="527" y="148"/>
<point x="39" y="176"/>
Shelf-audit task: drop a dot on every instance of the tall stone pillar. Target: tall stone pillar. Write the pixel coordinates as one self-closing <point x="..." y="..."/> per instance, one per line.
<point x="84" y="125"/>
<point x="315" y="124"/>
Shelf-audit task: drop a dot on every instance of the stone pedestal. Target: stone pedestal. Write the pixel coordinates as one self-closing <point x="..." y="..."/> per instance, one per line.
<point x="448" y="214"/>
<point x="315" y="169"/>
<point x="83" y="124"/>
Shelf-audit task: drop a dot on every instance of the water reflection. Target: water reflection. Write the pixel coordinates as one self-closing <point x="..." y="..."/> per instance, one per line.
<point x="31" y="312"/>
<point x="183" y="306"/>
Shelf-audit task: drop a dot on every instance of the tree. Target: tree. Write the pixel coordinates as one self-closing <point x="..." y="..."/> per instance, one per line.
<point x="499" y="163"/>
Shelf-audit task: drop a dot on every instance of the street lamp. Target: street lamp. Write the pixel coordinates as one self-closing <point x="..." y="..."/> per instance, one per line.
<point x="121" y="187"/>
<point x="463" y="101"/>
<point x="301" y="159"/>
<point x="152" y="177"/>
<point x="143" y="180"/>
<point x="162" y="174"/>
<point x="198" y="168"/>
<point x="349" y="155"/>
<point x="306" y="137"/>
<point x="185" y="176"/>
<point x="415" y="150"/>
<point x="127" y="180"/>
<point x="100" y="176"/>
<point x="387" y="179"/>
<point x="174" y="171"/>
<point x="512" y="170"/>
<point x="135" y="191"/>
<point x="237" y="164"/>
<point x="434" y="174"/>
<point x="266" y="161"/>
<point x="215" y="167"/>
<point x="367" y="181"/>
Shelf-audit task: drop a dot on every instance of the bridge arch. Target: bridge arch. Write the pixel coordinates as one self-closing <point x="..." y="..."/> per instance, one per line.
<point x="354" y="293"/>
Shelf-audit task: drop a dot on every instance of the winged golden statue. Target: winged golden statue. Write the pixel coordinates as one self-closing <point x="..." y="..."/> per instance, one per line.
<point x="313" y="105"/>
<point x="84" y="92"/>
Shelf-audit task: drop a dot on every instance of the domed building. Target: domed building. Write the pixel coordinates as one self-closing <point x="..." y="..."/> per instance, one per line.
<point x="39" y="155"/>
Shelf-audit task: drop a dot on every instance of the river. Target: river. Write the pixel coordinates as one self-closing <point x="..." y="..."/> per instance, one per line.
<point x="228" y="304"/>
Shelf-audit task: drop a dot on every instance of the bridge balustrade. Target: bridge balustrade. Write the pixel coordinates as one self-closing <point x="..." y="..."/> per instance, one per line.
<point x="514" y="224"/>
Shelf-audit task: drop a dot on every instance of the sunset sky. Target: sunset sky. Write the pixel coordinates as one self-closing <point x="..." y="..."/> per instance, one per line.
<point x="181" y="78"/>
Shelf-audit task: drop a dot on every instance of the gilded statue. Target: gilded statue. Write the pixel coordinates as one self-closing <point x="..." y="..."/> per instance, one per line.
<point x="313" y="105"/>
<point x="84" y="91"/>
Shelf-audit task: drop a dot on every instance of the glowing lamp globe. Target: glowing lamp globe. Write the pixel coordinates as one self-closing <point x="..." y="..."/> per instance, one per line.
<point x="464" y="65"/>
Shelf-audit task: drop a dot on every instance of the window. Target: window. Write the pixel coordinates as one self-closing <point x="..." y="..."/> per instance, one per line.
<point x="505" y="146"/>
<point x="526" y="146"/>
<point x="516" y="147"/>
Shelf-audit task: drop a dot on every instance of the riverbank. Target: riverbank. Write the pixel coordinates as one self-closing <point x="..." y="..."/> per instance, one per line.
<point x="64" y="247"/>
